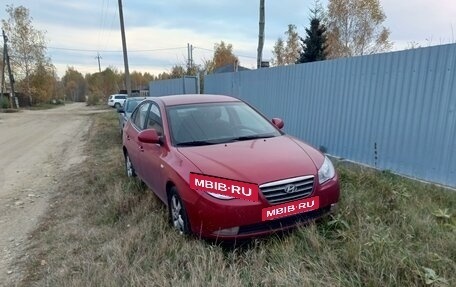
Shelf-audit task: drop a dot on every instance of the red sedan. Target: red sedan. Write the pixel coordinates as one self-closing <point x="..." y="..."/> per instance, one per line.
<point x="168" y="139"/>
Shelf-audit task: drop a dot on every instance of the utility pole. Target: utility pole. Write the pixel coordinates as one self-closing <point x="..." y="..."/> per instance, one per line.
<point x="3" y="75"/>
<point x="11" y="78"/>
<point x="261" y="36"/>
<point x="124" y="46"/>
<point x="99" y="57"/>
<point x="189" y="56"/>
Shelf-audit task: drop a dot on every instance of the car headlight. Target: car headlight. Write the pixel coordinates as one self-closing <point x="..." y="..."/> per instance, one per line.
<point x="219" y="196"/>
<point x="326" y="171"/>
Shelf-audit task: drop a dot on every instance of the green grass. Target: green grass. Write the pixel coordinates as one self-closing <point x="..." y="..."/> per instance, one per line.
<point x="106" y="230"/>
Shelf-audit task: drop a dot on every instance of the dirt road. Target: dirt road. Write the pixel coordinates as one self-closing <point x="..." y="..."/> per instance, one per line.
<point x="36" y="147"/>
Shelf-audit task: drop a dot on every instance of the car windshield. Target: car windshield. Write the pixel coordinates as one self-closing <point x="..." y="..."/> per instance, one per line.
<point x="130" y="105"/>
<point x="214" y="123"/>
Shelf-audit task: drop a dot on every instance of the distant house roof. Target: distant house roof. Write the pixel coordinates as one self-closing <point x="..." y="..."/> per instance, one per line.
<point x="229" y="68"/>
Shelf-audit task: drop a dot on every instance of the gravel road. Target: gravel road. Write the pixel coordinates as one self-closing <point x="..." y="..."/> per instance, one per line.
<point x="36" y="147"/>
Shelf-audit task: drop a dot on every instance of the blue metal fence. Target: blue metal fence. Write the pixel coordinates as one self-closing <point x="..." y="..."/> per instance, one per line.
<point x="394" y="111"/>
<point x="186" y="85"/>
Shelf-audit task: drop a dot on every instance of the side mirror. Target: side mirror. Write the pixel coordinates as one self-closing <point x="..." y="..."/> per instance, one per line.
<point x="121" y="110"/>
<point x="149" y="136"/>
<point x="278" y="123"/>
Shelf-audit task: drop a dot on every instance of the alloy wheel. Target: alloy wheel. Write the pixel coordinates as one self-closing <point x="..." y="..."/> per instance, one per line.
<point x="129" y="167"/>
<point x="176" y="213"/>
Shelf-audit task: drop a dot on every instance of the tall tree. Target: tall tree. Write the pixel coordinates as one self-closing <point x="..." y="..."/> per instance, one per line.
<point x="355" y="27"/>
<point x="293" y="49"/>
<point x="75" y="85"/>
<point x="314" y="45"/>
<point x="286" y="53"/>
<point x="177" y="71"/>
<point x="43" y="82"/>
<point x="27" y="44"/>
<point x="103" y="84"/>
<point x="223" y="55"/>
<point x="278" y="53"/>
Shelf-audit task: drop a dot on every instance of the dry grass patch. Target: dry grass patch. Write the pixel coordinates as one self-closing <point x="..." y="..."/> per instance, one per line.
<point x="106" y="230"/>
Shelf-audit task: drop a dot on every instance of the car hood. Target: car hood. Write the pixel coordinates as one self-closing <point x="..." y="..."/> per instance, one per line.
<point x="255" y="161"/>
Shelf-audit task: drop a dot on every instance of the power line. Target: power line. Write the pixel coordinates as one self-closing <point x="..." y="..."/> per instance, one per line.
<point x="212" y="50"/>
<point x="115" y="16"/>
<point x="139" y="51"/>
<point x="115" y="51"/>
<point x="100" y="30"/>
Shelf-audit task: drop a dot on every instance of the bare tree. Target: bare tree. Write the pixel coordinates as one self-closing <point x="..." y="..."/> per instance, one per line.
<point x="293" y="48"/>
<point x="278" y="53"/>
<point x="27" y="44"/>
<point x="355" y="28"/>
<point x="287" y="53"/>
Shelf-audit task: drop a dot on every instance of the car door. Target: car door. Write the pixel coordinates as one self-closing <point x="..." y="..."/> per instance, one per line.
<point x="153" y="154"/>
<point x="134" y="127"/>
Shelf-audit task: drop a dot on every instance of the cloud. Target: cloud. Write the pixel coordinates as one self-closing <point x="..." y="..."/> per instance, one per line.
<point x="423" y="21"/>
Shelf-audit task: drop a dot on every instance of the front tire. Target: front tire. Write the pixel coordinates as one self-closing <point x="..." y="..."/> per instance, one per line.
<point x="177" y="214"/>
<point x="117" y="106"/>
<point x="129" y="169"/>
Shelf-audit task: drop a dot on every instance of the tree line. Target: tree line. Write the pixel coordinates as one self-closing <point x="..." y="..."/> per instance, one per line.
<point x="345" y="28"/>
<point x="36" y="76"/>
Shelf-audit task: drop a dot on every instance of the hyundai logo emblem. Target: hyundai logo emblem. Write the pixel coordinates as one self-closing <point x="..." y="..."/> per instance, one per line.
<point x="291" y="188"/>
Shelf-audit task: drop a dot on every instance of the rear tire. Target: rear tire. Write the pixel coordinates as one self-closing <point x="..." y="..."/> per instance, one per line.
<point x="117" y="105"/>
<point x="177" y="213"/>
<point x="129" y="169"/>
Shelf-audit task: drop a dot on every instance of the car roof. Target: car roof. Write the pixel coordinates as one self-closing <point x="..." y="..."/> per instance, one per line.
<point x="194" y="99"/>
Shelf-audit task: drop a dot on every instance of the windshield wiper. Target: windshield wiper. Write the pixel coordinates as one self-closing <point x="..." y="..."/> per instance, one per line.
<point x="196" y="143"/>
<point x="252" y="137"/>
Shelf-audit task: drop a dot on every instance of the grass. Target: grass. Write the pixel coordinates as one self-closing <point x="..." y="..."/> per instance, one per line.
<point x="44" y="106"/>
<point x="106" y="230"/>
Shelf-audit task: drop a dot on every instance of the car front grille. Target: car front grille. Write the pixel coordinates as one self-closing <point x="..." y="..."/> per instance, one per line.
<point x="288" y="189"/>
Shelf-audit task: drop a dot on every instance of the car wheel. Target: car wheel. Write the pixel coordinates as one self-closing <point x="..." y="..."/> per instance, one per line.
<point x="130" y="170"/>
<point x="117" y="105"/>
<point x="177" y="213"/>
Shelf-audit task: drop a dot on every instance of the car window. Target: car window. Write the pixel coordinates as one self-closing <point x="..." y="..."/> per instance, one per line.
<point x="217" y="123"/>
<point x="155" y="120"/>
<point x="247" y="119"/>
<point x="141" y="115"/>
<point x="121" y="97"/>
<point x="131" y="105"/>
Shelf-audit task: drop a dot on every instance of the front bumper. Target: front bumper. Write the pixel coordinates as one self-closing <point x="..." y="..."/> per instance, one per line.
<point x="239" y="219"/>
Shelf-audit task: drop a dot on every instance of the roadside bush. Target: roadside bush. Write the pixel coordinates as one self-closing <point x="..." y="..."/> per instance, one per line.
<point x="94" y="99"/>
<point x="57" y="102"/>
<point x="4" y="104"/>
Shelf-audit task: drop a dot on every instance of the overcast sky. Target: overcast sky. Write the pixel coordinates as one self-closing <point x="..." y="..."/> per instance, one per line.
<point x="164" y="27"/>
